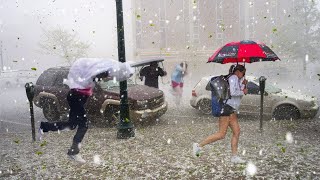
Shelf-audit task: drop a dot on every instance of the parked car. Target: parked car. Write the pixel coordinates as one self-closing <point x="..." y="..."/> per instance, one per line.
<point x="278" y="103"/>
<point x="145" y="103"/>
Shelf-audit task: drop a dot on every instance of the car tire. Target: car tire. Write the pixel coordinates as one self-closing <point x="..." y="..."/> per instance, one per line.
<point x="111" y="115"/>
<point x="50" y="110"/>
<point x="205" y="106"/>
<point x="286" y="112"/>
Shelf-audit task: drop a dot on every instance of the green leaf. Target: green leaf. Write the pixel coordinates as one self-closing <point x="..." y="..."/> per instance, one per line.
<point x="274" y="30"/>
<point x="17" y="141"/>
<point x="44" y="143"/>
<point x="302" y="150"/>
<point x="138" y="16"/>
<point x="39" y="153"/>
<point x="152" y="24"/>
<point x="33" y="68"/>
<point x="283" y="149"/>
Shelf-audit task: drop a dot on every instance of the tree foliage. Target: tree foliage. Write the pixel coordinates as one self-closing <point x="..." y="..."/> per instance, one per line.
<point x="300" y="34"/>
<point x="63" y="44"/>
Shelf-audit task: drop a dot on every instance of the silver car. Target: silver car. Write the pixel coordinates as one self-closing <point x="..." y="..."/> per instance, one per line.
<point x="278" y="103"/>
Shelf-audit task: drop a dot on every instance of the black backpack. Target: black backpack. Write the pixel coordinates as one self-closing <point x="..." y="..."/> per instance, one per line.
<point x="220" y="91"/>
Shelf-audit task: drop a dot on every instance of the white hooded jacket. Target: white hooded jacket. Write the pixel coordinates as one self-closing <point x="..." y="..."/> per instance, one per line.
<point x="84" y="70"/>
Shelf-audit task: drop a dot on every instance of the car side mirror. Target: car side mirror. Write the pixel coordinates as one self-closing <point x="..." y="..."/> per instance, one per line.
<point x="208" y="87"/>
<point x="97" y="87"/>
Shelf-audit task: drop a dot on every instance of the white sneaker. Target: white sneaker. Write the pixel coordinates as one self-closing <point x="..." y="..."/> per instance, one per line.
<point x="237" y="160"/>
<point x="40" y="134"/>
<point x="77" y="158"/>
<point x="196" y="149"/>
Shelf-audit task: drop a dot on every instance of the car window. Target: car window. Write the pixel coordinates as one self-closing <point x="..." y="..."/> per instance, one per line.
<point x="253" y="88"/>
<point x="272" y="89"/>
<point x="61" y="75"/>
<point x="113" y="84"/>
<point x="47" y="78"/>
<point x="269" y="87"/>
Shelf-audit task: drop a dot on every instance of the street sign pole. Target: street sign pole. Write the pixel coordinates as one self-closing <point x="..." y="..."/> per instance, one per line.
<point x="125" y="126"/>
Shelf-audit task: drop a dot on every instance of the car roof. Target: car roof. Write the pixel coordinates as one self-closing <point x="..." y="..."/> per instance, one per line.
<point x="249" y="78"/>
<point x="146" y="62"/>
<point x="66" y="68"/>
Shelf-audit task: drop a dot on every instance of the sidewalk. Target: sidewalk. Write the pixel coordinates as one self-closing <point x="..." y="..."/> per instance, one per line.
<point x="163" y="151"/>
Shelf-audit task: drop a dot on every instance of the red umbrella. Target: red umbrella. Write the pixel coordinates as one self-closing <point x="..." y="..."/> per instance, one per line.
<point x="243" y="51"/>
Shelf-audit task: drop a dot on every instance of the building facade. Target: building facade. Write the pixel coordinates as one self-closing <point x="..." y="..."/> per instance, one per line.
<point x="179" y="27"/>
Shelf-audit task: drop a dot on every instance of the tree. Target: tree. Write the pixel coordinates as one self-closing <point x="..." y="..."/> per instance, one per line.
<point x="64" y="44"/>
<point x="300" y="34"/>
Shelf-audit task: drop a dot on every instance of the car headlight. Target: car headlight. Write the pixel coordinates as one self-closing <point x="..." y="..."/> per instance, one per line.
<point x="313" y="103"/>
<point x="142" y="104"/>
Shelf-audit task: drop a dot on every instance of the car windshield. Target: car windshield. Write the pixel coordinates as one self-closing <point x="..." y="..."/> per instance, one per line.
<point x="269" y="87"/>
<point x="111" y="84"/>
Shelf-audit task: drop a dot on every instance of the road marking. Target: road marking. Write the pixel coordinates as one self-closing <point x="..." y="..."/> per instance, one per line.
<point x="15" y="123"/>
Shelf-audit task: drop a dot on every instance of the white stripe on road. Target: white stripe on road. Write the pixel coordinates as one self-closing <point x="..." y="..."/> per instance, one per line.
<point x="15" y="123"/>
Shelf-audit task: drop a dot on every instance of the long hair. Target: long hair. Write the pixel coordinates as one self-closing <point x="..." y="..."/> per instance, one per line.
<point x="240" y="68"/>
<point x="233" y="68"/>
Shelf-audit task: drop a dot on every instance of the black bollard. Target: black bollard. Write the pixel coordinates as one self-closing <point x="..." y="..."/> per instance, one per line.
<point x="30" y="94"/>
<point x="262" y="84"/>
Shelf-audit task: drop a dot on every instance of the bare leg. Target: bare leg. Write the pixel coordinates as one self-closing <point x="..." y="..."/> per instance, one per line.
<point x="223" y="126"/>
<point x="234" y="125"/>
<point x="177" y="95"/>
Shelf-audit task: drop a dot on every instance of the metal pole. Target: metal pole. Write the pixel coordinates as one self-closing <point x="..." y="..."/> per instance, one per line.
<point x="262" y="82"/>
<point x="125" y="127"/>
<point x="30" y="94"/>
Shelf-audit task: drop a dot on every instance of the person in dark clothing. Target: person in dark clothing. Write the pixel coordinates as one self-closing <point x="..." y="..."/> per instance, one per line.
<point x="81" y="81"/>
<point x="151" y="74"/>
<point x="77" y="117"/>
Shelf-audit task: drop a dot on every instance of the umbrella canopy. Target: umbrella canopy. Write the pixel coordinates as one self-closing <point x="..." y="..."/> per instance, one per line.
<point x="244" y="52"/>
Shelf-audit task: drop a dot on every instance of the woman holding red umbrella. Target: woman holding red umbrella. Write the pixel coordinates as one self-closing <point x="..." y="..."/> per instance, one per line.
<point x="228" y="117"/>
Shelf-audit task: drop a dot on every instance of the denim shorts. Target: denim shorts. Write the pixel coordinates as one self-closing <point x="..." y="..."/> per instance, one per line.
<point x="227" y="110"/>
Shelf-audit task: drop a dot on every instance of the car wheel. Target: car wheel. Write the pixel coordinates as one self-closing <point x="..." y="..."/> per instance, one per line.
<point x="286" y="112"/>
<point x="111" y="115"/>
<point x="50" y="110"/>
<point x="205" y="106"/>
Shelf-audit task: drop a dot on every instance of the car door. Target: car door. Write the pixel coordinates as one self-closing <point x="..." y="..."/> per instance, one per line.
<point x="250" y="103"/>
